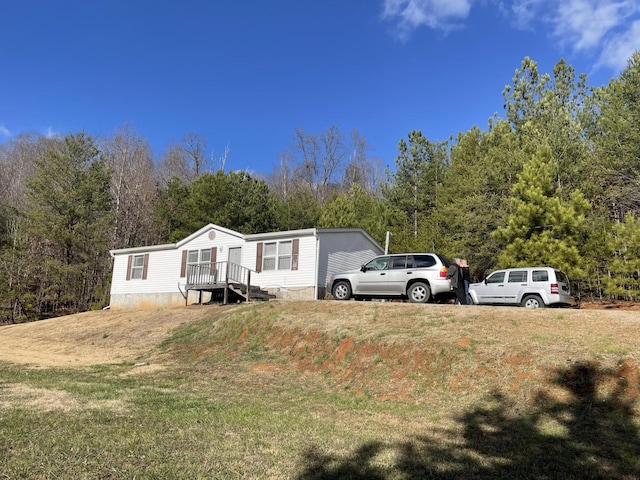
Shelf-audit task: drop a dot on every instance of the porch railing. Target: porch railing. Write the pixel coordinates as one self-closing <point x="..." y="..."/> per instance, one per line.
<point x="203" y="275"/>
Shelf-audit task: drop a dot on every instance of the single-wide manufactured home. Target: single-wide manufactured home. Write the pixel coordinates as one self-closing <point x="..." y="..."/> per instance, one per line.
<point x="216" y="263"/>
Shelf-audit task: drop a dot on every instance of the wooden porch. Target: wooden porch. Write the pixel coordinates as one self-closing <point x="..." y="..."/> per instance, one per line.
<point x="226" y="281"/>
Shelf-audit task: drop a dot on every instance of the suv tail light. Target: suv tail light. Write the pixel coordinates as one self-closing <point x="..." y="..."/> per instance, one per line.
<point x="554" y="288"/>
<point x="443" y="273"/>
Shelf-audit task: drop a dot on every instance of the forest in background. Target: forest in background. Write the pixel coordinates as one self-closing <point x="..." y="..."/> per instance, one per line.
<point x="555" y="180"/>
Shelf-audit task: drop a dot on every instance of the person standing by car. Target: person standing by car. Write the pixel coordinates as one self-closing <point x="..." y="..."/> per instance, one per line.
<point x="466" y="276"/>
<point x="456" y="280"/>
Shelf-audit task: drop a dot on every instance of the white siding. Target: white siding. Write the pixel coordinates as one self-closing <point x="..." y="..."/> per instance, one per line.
<point x="222" y="240"/>
<point x="284" y="279"/>
<point x="163" y="274"/>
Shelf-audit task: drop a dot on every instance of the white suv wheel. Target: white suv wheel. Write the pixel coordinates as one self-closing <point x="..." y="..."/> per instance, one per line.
<point x="342" y="291"/>
<point x="532" y="301"/>
<point x="419" y="293"/>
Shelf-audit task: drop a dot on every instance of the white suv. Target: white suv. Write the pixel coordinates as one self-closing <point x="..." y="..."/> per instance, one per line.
<point x="535" y="287"/>
<point x="416" y="276"/>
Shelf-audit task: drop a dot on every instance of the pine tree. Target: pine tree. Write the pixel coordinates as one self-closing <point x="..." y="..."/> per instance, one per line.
<point x="358" y="208"/>
<point x="624" y="265"/>
<point x="616" y="141"/>
<point x="543" y="229"/>
<point x="412" y="190"/>
<point x="70" y="220"/>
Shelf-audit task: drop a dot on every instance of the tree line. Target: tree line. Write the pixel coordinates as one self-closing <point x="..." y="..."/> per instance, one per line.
<point x="555" y="180"/>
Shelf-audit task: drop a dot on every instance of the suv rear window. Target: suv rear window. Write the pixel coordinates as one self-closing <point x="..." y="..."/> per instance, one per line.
<point x="519" y="276"/>
<point x="540" y="276"/>
<point x="561" y="277"/>
<point x="445" y="261"/>
<point x="423" y="261"/>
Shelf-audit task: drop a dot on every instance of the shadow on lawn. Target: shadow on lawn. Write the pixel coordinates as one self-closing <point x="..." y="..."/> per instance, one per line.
<point x="590" y="434"/>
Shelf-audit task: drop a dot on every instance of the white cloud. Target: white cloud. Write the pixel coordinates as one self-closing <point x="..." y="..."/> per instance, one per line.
<point x="50" y="133"/>
<point x="523" y="12"/>
<point x="436" y="14"/>
<point x="618" y="50"/>
<point x="584" y="24"/>
<point x="607" y="30"/>
<point x="4" y="131"/>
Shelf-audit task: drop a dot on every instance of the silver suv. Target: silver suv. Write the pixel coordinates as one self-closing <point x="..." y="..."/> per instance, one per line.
<point x="416" y="276"/>
<point x="534" y="287"/>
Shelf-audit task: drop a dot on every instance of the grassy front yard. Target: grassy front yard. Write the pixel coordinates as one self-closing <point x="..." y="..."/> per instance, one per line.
<point x="350" y="390"/>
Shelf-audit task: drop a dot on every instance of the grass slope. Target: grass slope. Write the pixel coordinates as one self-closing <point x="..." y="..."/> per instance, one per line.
<point x="324" y="390"/>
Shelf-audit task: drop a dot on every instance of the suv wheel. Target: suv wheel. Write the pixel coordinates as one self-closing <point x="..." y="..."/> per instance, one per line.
<point x="342" y="291"/>
<point x="532" y="301"/>
<point x="419" y="293"/>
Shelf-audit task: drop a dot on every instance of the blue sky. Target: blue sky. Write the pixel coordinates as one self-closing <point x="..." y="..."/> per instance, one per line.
<point x="246" y="74"/>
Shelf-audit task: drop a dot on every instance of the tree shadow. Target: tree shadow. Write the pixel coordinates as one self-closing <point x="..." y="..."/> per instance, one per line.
<point x="355" y="467"/>
<point x="581" y="427"/>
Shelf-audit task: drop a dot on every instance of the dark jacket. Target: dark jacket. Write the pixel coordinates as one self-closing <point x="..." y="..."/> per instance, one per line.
<point x="466" y="274"/>
<point x="454" y="273"/>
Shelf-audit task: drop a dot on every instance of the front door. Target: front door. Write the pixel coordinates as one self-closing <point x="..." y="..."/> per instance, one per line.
<point x="235" y="261"/>
<point x="235" y="255"/>
<point x="373" y="280"/>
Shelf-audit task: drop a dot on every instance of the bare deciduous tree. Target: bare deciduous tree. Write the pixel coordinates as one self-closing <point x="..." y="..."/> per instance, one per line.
<point x="360" y="170"/>
<point x="222" y="160"/>
<point x="17" y="166"/>
<point x="321" y="161"/>
<point x="133" y="188"/>
<point x="195" y="146"/>
<point x="186" y="161"/>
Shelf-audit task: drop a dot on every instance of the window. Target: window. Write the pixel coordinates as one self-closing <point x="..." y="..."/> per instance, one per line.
<point x="277" y="255"/>
<point x="399" y="262"/>
<point x="198" y="261"/>
<point x="269" y="258"/>
<point x="284" y="256"/>
<point x="137" y="267"/>
<point x="540" y="276"/>
<point x="379" y="263"/>
<point x="519" y="276"/>
<point x="424" y="261"/>
<point x="561" y="277"/>
<point x="496" y="278"/>
<point x="199" y="256"/>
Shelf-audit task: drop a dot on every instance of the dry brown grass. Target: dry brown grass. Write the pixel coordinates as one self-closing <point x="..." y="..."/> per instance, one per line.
<point x="92" y="338"/>
<point x="388" y="351"/>
<point x="406" y="352"/>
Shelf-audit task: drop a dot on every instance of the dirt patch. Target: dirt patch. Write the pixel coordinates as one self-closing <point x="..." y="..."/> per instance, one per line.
<point x="609" y="305"/>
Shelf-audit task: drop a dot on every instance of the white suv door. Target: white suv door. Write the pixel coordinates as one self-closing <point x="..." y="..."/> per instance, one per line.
<point x="373" y="280"/>
<point x="492" y="290"/>
<point x="516" y="281"/>
<point x="399" y="274"/>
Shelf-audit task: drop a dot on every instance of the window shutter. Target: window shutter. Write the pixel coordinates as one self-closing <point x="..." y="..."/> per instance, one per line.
<point x="183" y="268"/>
<point x="145" y="266"/>
<point x="129" y="260"/>
<point x="259" y="258"/>
<point x="214" y="259"/>
<point x="294" y="254"/>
